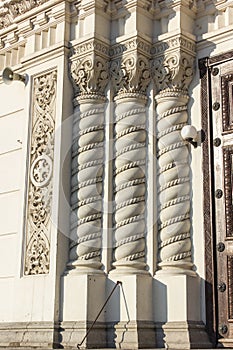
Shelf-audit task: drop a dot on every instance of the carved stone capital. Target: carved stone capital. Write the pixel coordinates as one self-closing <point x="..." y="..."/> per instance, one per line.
<point x="90" y="75"/>
<point x="89" y="68"/>
<point x="173" y="63"/>
<point x="131" y="74"/>
<point x="173" y="70"/>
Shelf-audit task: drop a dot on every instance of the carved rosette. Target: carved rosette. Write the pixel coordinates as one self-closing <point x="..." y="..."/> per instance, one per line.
<point x="172" y="73"/>
<point x="41" y="170"/>
<point x="131" y="76"/>
<point x="89" y="76"/>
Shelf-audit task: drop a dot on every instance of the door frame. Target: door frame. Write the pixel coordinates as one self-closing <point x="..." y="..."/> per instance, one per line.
<point x="206" y="66"/>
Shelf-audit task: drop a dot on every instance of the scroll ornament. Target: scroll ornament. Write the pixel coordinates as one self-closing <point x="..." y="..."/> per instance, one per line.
<point x="131" y="74"/>
<point x="41" y="169"/>
<point x="175" y="70"/>
<point x="89" y="75"/>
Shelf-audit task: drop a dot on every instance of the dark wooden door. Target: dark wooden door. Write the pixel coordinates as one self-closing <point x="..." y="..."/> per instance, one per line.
<point x="221" y="143"/>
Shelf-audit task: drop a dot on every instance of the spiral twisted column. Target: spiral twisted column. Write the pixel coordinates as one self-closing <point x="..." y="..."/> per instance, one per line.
<point x="174" y="181"/>
<point x="131" y="77"/>
<point x="130" y="182"/>
<point x="173" y="73"/>
<point x="90" y="77"/>
<point x="87" y="177"/>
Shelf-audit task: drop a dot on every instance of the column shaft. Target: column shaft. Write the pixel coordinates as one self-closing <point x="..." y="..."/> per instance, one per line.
<point x="130" y="183"/>
<point x="173" y="182"/>
<point x="87" y="178"/>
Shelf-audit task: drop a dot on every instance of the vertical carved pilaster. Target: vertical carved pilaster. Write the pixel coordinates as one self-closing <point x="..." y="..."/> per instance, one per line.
<point x="40" y="180"/>
<point x="173" y="72"/>
<point x="131" y="76"/>
<point x="90" y="77"/>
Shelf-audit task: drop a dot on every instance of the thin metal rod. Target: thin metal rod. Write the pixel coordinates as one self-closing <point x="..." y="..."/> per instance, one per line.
<point x="99" y="313"/>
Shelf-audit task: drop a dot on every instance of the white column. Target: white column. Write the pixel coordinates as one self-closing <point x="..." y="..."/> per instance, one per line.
<point x="173" y="183"/>
<point x="84" y="281"/>
<point x="134" y="326"/>
<point x="130" y="184"/>
<point x="87" y="184"/>
<point x="176" y="284"/>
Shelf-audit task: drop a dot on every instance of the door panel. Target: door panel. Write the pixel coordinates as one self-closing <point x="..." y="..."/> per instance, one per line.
<point x="222" y="142"/>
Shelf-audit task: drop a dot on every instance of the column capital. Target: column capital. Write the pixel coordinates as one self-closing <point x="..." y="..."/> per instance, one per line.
<point x="173" y="63"/>
<point x="89" y="69"/>
<point x="131" y="67"/>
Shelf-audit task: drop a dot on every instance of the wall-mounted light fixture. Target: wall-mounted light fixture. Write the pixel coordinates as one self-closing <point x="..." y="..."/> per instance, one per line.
<point x="8" y="76"/>
<point x="189" y="134"/>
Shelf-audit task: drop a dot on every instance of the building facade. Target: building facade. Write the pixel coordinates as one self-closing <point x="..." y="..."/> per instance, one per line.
<point x="116" y="173"/>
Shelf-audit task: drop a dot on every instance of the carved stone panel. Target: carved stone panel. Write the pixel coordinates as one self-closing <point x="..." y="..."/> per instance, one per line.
<point x="38" y="219"/>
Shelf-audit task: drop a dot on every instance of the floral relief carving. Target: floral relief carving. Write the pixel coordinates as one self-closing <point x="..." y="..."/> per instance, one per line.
<point x="174" y="70"/>
<point x="13" y="8"/>
<point x="131" y="74"/>
<point x="40" y="181"/>
<point x="90" y="74"/>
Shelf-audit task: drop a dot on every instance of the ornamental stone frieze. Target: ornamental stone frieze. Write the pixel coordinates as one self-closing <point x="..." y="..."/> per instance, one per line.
<point x="9" y="10"/>
<point x="38" y="224"/>
<point x="131" y="76"/>
<point x="89" y="74"/>
<point x="173" y="71"/>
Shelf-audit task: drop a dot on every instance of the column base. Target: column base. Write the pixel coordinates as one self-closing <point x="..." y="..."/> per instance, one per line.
<point x="129" y="312"/>
<point x="83" y="296"/>
<point x="131" y="335"/>
<point x="182" y="335"/>
<point x="177" y="311"/>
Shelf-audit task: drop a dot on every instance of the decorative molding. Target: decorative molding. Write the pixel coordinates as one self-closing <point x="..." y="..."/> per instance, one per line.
<point x="228" y="171"/>
<point x="136" y="43"/>
<point x="40" y="180"/>
<point x="90" y="46"/>
<point x="207" y="205"/>
<point x="227" y="101"/>
<point x="175" y="42"/>
<point x="131" y="74"/>
<point x="230" y="286"/>
<point x="9" y="10"/>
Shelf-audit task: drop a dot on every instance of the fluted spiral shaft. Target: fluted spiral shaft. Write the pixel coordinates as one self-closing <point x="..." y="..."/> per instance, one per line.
<point x="130" y="187"/>
<point x="86" y="191"/>
<point x="174" y="182"/>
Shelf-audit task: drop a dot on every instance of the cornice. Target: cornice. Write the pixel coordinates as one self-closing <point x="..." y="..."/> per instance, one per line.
<point x="175" y="42"/>
<point x="89" y="46"/>
<point x="130" y="45"/>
